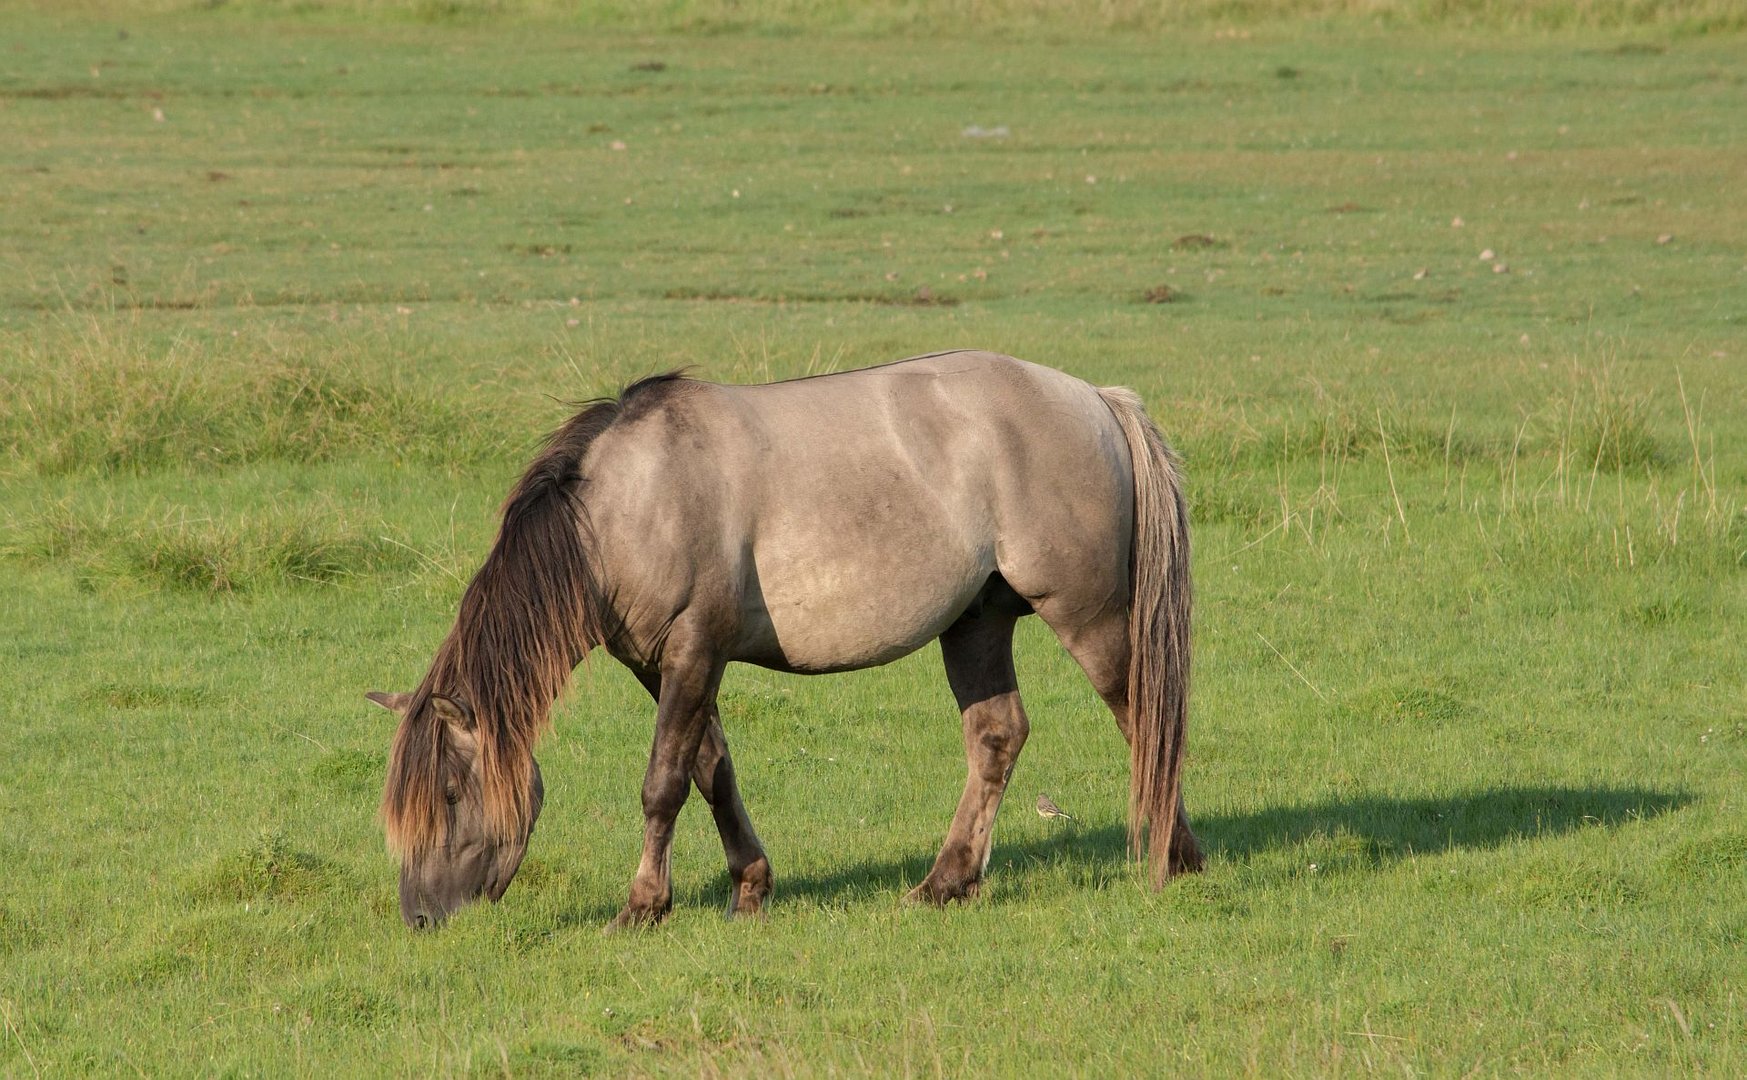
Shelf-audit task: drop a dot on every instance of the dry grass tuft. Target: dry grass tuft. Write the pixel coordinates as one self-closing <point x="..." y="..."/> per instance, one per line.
<point x="177" y="549"/>
<point x="92" y="397"/>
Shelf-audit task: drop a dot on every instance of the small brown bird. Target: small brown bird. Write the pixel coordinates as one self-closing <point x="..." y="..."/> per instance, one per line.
<point x="1048" y="809"/>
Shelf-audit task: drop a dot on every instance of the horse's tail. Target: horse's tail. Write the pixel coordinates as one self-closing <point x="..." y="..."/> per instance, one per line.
<point x="1158" y="637"/>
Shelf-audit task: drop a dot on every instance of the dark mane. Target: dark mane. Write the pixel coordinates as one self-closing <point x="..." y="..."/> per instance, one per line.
<point x="528" y="617"/>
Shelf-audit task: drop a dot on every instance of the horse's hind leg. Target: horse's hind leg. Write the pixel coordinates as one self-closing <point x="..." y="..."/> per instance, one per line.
<point x="1100" y="646"/>
<point x="979" y="665"/>
<point x="748" y="867"/>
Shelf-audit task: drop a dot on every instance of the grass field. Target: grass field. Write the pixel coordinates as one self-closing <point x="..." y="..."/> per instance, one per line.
<point x="289" y="293"/>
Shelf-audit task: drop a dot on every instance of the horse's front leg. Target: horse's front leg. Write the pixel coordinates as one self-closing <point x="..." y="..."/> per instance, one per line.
<point x="713" y="773"/>
<point x="688" y="691"/>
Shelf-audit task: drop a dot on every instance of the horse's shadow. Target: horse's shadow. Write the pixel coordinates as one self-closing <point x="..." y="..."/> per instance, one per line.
<point x="1387" y="828"/>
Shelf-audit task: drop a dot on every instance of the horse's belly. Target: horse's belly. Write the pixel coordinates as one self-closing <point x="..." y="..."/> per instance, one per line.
<point x="834" y="614"/>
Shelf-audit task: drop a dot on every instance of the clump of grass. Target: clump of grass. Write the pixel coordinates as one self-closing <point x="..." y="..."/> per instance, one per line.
<point x="1664" y="612"/>
<point x="1645" y="514"/>
<point x="1227" y="499"/>
<point x="96" y="398"/>
<point x="1550" y="502"/>
<point x="1697" y="856"/>
<point x="1323" y="851"/>
<point x="1336" y="430"/>
<point x="178" y="550"/>
<point x="114" y="695"/>
<point x="349" y="770"/>
<point x="1615" y="536"/>
<point x="1207" y="896"/>
<point x="1411" y="703"/>
<point x="546" y="1057"/>
<point x="269" y="868"/>
<point x="150" y="967"/>
<point x="15" y="932"/>
<point x="1567" y="886"/>
<point x="341" y="1001"/>
<point x="207" y="559"/>
<point x="1607" y="429"/>
<point x="1353" y="432"/>
<point x="1350" y="430"/>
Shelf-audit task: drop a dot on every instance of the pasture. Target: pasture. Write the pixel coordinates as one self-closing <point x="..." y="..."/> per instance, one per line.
<point x="290" y="293"/>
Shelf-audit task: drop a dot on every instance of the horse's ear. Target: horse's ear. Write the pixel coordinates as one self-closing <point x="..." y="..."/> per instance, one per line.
<point x="394" y="703"/>
<point x="453" y="711"/>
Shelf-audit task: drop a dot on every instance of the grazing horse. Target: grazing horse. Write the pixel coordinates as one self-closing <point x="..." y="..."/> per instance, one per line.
<point x="816" y="525"/>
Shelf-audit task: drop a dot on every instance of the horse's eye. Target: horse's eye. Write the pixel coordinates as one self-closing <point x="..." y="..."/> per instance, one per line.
<point x="451" y="796"/>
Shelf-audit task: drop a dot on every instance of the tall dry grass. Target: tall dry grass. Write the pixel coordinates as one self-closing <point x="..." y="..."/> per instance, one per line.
<point x="98" y="395"/>
<point x="1593" y="476"/>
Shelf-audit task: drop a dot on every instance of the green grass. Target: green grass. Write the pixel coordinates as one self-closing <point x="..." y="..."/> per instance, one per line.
<point x="1471" y="551"/>
<point x="962" y="18"/>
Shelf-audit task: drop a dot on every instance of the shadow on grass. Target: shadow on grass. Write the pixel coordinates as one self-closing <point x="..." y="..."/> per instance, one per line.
<point x="1388" y="828"/>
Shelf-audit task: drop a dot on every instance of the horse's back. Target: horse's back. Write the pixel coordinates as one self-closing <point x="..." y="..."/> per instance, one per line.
<point x="969" y="426"/>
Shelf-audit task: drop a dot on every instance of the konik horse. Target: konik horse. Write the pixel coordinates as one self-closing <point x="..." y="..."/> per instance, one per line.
<point x="816" y="525"/>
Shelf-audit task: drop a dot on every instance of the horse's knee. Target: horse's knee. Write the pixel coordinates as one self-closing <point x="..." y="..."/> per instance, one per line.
<point x="664" y="791"/>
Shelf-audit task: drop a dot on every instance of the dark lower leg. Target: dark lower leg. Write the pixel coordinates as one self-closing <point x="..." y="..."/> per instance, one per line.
<point x="979" y="664"/>
<point x="995" y="731"/>
<point x="1186" y="856"/>
<point x="748" y="868"/>
<point x="686" y="707"/>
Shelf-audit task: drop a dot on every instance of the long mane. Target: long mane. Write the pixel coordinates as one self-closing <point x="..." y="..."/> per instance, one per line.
<point x="528" y="617"/>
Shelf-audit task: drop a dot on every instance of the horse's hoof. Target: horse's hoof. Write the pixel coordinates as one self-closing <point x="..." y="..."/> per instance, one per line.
<point x="633" y="919"/>
<point x="743" y="906"/>
<point x="1189" y="861"/>
<point x="936" y="894"/>
<point x="748" y="893"/>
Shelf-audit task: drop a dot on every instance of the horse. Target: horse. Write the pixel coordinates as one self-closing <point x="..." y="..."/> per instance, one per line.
<point x="821" y="524"/>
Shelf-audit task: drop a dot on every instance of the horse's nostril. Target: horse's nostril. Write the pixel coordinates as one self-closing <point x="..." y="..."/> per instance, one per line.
<point x="420" y="921"/>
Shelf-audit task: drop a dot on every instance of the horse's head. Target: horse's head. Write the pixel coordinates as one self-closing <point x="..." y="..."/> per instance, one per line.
<point x="473" y="859"/>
